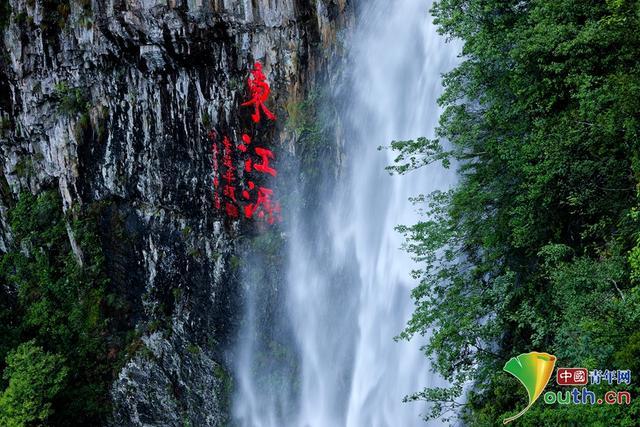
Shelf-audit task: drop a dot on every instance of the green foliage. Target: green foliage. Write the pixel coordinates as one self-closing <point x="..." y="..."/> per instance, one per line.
<point x="227" y="385"/>
<point x="537" y="247"/>
<point x="71" y="100"/>
<point x="193" y="349"/>
<point x="55" y="16"/>
<point x="57" y="297"/>
<point x="205" y="118"/>
<point x="5" y="124"/>
<point x="302" y="115"/>
<point x="101" y="123"/>
<point x="415" y="154"/>
<point x="24" y="167"/>
<point x="307" y="120"/>
<point x="86" y="6"/>
<point x="5" y="13"/>
<point x="35" y="378"/>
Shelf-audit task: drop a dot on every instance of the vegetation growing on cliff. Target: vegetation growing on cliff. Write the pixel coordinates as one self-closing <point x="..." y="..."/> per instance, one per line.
<point x="55" y="310"/>
<point x="537" y="248"/>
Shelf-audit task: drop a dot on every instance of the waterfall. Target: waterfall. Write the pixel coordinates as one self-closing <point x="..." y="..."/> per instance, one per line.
<point x="346" y="293"/>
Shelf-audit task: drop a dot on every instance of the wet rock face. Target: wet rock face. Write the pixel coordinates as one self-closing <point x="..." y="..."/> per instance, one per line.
<point x="111" y="101"/>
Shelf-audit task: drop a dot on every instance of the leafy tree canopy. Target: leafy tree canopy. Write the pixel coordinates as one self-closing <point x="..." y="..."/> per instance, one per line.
<point x="35" y="378"/>
<point x="57" y="316"/>
<point x="537" y="248"/>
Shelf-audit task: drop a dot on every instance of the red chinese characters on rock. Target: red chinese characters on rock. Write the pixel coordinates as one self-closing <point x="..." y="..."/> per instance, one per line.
<point x="259" y="90"/>
<point x="229" y="177"/>
<point x="217" y="202"/>
<point x="254" y="201"/>
<point x="264" y="208"/>
<point x="263" y="167"/>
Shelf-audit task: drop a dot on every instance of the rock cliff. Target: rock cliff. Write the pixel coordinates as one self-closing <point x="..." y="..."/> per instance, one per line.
<point x="110" y="101"/>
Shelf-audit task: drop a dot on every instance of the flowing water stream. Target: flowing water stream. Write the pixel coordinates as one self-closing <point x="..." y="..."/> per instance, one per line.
<point x="347" y="288"/>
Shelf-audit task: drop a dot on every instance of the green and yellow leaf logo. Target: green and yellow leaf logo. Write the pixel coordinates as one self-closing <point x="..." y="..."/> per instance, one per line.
<point x="533" y="370"/>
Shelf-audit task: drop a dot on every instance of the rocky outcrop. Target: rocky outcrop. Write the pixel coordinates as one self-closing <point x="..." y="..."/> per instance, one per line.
<point x="111" y="101"/>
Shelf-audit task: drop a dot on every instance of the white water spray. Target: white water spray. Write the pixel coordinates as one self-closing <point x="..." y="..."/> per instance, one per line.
<point x="348" y="294"/>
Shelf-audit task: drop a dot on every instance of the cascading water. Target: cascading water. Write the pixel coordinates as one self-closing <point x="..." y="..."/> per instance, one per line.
<point x="347" y="290"/>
